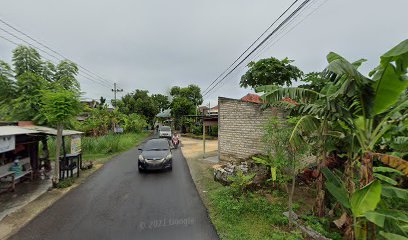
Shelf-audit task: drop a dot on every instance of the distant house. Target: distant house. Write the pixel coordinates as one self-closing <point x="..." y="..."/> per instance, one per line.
<point x="90" y="103"/>
<point x="202" y="110"/>
<point x="213" y="111"/>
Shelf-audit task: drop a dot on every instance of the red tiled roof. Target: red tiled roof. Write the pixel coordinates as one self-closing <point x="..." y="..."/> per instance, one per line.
<point x="250" y="97"/>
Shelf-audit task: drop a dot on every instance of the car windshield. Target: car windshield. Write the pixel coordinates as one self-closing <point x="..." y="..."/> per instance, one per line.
<point x="165" y="128"/>
<point x="156" y="145"/>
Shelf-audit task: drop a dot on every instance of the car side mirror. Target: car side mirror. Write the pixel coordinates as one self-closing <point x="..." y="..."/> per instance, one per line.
<point x="140" y="149"/>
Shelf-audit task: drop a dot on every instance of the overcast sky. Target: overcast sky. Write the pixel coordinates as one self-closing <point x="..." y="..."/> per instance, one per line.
<point x="155" y="44"/>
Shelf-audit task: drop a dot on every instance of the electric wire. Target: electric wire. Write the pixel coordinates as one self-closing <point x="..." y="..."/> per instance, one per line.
<point x="54" y="51"/>
<point x="246" y="50"/>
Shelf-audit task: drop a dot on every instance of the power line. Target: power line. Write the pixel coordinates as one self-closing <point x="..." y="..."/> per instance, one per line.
<point x="52" y="50"/>
<point x="261" y="43"/>
<point x="277" y="37"/>
<point x="236" y="60"/>
<point x="91" y="79"/>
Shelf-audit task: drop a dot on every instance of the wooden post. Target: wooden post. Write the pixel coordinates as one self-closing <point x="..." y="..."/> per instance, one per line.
<point x="203" y="137"/>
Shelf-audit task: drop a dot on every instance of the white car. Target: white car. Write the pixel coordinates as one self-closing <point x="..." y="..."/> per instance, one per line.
<point x="165" y="132"/>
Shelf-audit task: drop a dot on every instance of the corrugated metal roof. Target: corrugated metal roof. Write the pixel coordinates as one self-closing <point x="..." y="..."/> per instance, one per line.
<point x="15" y="130"/>
<point x="52" y="131"/>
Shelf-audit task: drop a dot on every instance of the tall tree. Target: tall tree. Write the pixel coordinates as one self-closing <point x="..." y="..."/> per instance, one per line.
<point x="314" y="81"/>
<point x="191" y="92"/>
<point x="59" y="108"/>
<point x="7" y="83"/>
<point x="161" y="101"/>
<point x="65" y="74"/>
<point x="270" y="71"/>
<point x="48" y="71"/>
<point x="7" y="89"/>
<point x="26" y="59"/>
<point x="27" y="104"/>
<point x="139" y="102"/>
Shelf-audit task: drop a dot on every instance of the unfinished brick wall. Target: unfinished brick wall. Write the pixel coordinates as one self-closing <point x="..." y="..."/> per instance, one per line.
<point x="240" y="128"/>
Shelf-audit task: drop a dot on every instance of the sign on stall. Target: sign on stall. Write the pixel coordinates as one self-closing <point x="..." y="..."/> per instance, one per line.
<point x="75" y="144"/>
<point x="7" y="143"/>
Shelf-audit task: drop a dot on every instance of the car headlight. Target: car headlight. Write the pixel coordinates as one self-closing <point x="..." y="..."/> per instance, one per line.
<point x="168" y="157"/>
<point x="141" y="157"/>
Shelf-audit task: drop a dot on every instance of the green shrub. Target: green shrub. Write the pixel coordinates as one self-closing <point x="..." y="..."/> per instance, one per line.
<point x="214" y="131"/>
<point x="103" y="145"/>
<point x="240" y="183"/>
<point x="134" y="123"/>
<point x="197" y="130"/>
<point x="251" y="217"/>
<point x="65" y="183"/>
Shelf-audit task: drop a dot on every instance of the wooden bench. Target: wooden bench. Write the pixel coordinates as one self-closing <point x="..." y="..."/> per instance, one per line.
<point x="11" y="177"/>
<point x="8" y="175"/>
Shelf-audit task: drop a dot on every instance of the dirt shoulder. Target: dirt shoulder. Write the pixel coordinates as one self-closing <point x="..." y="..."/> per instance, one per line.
<point x="200" y="168"/>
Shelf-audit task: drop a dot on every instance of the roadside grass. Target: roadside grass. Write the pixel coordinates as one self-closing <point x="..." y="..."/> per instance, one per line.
<point x="250" y="217"/>
<point x="259" y="215"/>
<point x="103" y="147"/>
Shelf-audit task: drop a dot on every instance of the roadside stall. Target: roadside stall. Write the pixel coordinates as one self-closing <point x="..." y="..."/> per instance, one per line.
<point x="70" y="162"/>
<point x="18" y="155"/>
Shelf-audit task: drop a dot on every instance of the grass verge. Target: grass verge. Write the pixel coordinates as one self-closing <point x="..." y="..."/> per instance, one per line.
<point x="103" y="147"/>
<point x="258" y="215"/>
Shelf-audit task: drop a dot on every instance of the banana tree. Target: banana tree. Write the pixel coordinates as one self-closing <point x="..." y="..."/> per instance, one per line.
<point x="366" y="205"/>
<point x="372" y="101"/>
<point x="314" y="127"/>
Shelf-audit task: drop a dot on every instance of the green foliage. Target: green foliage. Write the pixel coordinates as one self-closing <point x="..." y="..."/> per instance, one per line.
<point x="197" y="130"/>
<point x="103" y="146"/>
<point x="214" y="131"/>
<point x="249" y="218"/>
<point x="314" y="81"/>
<point x="161" y="101"/>
<point x="134" y="123"/>
<point x="65" y="183"/>
<point x="21" y="88"/>
<point x="138" y="102"/>
<point x="64" y="76"/>
<point x="366" y="199"/>
<point x="270" y="71"/>
<point x="364" y="205"/>
<point x="26" y="59"/>
<point x="181" y="106"/>
<point x="191" y="92"/>
<point x="337" y="188"/>
<point x="59" y="107"/>
<point x="240" y="183"/>
<point x="321" y="225"/>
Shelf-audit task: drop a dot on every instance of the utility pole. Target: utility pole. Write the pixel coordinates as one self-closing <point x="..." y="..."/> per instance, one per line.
<point x="115" y="90"/>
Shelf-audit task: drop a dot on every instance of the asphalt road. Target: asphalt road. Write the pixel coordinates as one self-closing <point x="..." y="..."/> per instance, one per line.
<point x="118" y="202"/>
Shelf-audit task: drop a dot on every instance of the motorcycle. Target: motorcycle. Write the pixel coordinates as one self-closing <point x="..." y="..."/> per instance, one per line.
<point x="175" y="140"/>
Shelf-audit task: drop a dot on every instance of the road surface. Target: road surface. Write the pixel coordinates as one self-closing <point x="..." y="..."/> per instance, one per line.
<point x="119" y="203"/>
